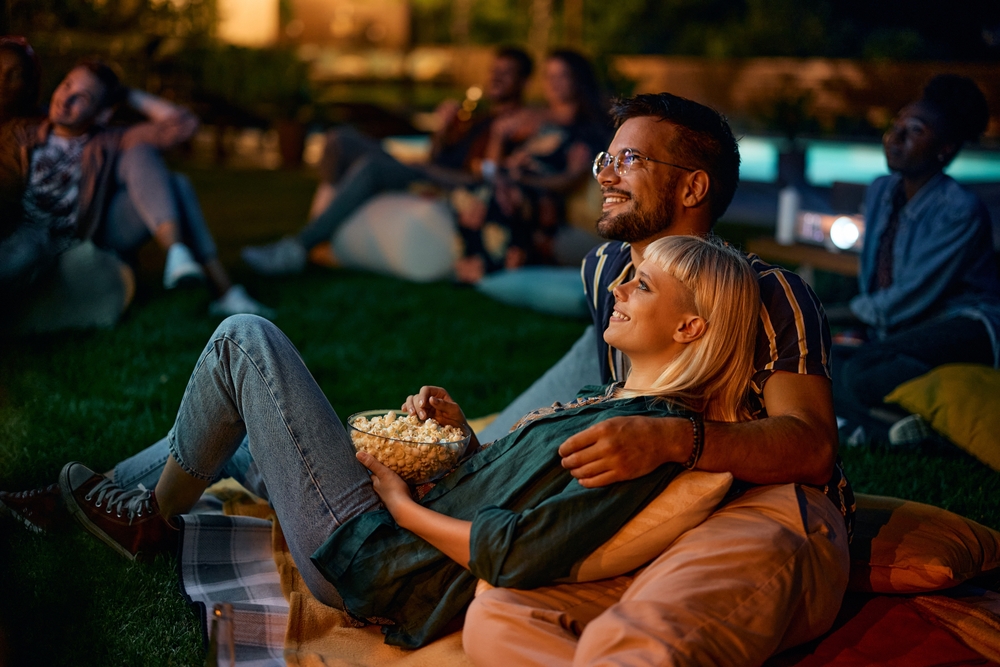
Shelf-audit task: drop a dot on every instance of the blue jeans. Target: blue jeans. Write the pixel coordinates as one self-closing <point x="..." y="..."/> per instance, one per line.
<point x="360" y="169"/>
<point x="250" y="389"/>
<point x="577" y="368"/>
<point x="147" y="195"/>
<point x="211" y="441"/>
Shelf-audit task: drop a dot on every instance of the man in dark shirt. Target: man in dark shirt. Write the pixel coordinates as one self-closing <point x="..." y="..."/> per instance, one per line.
<point x="768" y="569"/>
<point x="354" y="168"/>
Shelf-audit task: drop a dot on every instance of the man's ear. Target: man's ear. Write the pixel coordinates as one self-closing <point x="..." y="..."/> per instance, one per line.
<point x="691" y="328"/>
<point x="695" y="189"/>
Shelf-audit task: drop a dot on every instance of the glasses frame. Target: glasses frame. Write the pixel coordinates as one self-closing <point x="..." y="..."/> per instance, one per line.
<point x="618" y="159"/>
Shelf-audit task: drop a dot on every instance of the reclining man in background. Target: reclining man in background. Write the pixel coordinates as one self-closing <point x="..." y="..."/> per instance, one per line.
<point x="354" y="167"/>
<point x="76" y="179"/>
<point x="768" y="569"/>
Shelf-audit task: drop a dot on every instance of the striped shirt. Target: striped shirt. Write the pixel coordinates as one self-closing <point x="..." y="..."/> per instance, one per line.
<point x="793" y="336"/>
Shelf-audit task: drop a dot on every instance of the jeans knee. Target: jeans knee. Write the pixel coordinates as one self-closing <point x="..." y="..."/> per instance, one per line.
<point x="138" y="156"/>
<point x="244" y="326"/>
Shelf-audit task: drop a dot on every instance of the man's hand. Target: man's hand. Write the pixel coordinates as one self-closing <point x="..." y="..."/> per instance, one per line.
<point x="624" y="448"/>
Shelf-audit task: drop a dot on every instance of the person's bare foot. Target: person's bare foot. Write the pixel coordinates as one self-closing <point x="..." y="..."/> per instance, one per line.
<point x="323" y="255"/>
<point x="515" y="258"/>
<point x="470" y="270"/>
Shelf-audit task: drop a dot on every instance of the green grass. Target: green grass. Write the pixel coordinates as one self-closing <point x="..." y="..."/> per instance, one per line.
<point x="100" y="396"/>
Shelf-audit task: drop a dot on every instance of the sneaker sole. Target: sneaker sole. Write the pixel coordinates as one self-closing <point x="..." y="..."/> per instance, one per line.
<point x="20" y="519"/>
<point x="81" y="516"/>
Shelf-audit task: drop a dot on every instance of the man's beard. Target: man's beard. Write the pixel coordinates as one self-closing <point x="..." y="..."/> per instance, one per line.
<point x="638" y="223"/>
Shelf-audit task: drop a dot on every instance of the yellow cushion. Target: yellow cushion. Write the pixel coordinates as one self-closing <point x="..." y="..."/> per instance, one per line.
<point x="901" y="546"/>
<point x="684" y="504"/>
<point x="962" y="403"/>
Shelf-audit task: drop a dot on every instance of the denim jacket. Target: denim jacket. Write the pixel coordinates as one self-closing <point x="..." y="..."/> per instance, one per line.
<point x="943" y="259"/>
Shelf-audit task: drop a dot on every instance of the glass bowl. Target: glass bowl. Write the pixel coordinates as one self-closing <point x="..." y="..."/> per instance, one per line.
<point x="417" y="461"/>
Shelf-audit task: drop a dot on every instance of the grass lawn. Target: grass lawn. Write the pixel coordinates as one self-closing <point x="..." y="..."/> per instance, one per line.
<point x="100" y="396"/>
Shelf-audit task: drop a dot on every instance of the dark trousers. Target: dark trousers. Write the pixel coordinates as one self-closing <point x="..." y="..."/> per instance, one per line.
<point x="863" y="375"/>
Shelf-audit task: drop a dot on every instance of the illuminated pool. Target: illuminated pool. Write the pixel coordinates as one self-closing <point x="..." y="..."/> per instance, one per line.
<point x="829" y="161"/>
<point x="826" y="161"/>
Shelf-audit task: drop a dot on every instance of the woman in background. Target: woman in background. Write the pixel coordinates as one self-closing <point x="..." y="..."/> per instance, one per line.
<point x="549" y="152"/>
<point x="929" y="290"/>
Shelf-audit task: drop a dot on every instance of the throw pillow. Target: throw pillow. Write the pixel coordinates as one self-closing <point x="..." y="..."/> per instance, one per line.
<point x="547" y="289"/>
<point x="962" y="403"/>
<point x="901" y="546"/>
<point x="685" y="503"/>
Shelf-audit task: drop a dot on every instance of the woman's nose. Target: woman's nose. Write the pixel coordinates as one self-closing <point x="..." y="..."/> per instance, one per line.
<point x="619" y="292"/>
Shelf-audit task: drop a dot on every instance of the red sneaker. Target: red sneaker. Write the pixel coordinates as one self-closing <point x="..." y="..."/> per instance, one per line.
<point x="39" y="510"/>
<point x="127" y="521"/>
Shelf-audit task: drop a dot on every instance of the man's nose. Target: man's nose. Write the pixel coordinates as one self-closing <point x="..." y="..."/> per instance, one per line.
<point x="607" y="175"/>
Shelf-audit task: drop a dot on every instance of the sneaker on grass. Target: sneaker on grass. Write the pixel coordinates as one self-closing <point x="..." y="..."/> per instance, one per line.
<point x="181" y="269"/>
<point x="910" y="431"/>
<point x="38" y="510"/>
<point x="127" y="521"/>
<point x="281" y="258"/>
<point x="236" y="301"/>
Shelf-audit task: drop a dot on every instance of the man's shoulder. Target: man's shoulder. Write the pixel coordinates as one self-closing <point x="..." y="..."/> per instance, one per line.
<point x="778" y="284"/>
<point x="605" y="264"/>
<point x="610" y="252"/>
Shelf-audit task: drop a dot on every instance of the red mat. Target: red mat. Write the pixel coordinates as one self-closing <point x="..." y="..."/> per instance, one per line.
<point x="881" y="630"/>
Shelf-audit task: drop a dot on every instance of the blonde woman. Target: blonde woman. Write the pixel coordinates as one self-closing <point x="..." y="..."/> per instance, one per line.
<point x="509" y="513"/>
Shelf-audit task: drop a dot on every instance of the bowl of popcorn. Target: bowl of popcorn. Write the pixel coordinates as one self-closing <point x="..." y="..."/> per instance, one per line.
<point x="418" y="451"/>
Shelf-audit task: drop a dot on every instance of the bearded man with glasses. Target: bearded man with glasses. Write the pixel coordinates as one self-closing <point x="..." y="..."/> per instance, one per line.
<point x="768" y="569"/>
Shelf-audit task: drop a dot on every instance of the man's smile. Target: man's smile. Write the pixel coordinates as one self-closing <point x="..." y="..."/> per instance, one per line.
<point x="613" y="197"/>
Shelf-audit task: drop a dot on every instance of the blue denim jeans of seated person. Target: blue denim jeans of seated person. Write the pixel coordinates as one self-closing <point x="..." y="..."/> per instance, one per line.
<point x="251" y="388"/>
<point x="363" y="170"/>
<point x="577" y="368"/>
<point x="147" y="195"/>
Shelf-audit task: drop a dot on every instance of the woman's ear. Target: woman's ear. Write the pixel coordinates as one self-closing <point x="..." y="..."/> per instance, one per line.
<point x="695" y="191"/>
<point x="691" y="328"/>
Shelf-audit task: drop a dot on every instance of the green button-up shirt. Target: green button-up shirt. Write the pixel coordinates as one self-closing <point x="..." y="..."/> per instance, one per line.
<point x="531" y="523"/>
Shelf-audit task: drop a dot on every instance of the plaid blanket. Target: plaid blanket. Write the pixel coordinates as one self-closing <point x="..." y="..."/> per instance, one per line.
<point x="229" y="559"/>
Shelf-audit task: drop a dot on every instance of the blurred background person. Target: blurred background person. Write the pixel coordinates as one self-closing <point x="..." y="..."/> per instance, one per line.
<point x="929" y="290"/>
<point x="355" y="168"/>
<point x="70" y="177"/>
<point x="540" y="156"/>
<point x="20" y="75"/>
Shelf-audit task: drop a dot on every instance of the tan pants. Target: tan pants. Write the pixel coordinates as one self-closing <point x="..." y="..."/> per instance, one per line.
<point x="763" y="573"/>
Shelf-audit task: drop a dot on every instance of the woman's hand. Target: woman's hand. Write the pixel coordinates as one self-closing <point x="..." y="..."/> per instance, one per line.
<point x="435" y="403"/>
<point x="389" y="486"/>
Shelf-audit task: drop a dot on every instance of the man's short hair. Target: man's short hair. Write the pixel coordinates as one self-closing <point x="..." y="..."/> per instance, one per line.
<point x="705" y="141"/>
<point x="114" y="92"/>
<point x="525" y="65"/>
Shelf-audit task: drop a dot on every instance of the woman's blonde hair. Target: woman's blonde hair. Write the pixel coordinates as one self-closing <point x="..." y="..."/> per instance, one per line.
<point x="712" y="374"/>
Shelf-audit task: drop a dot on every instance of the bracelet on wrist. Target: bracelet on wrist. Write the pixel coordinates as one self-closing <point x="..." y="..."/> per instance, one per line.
<point x="698" y="426"/>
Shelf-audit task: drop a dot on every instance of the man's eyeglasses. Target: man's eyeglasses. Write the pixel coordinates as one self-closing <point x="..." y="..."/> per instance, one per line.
<point x="624" y="160"/>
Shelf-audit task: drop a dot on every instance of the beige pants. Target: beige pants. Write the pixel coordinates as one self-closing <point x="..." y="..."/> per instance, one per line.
<point x="763" y="573"/>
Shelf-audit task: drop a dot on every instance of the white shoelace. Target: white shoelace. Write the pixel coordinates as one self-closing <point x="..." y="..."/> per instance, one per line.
<point x="133" y="501"/>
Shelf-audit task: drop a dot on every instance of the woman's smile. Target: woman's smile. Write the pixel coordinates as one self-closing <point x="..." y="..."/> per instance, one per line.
<point x="619" y="316"/>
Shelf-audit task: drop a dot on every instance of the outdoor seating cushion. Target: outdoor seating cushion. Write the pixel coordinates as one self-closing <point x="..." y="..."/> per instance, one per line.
<point x="962" y="403"/>
<point x="685" y="503"/>
<point x="87" y="287"/>
<point x="404" y="235"/>
<point x="901" y="546"/>
<point x="548" y="289"/>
